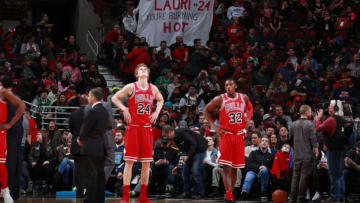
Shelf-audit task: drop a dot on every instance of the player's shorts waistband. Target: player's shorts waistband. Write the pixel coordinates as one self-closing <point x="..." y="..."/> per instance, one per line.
<point x="236" y="133"/>
<point x="147" y="125"/>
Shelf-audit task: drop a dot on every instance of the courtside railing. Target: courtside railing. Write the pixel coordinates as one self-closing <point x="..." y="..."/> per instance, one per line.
<point x="59" y="114"/>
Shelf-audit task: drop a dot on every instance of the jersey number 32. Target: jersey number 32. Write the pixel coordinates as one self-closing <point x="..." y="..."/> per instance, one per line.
<point x="235" y="118"/>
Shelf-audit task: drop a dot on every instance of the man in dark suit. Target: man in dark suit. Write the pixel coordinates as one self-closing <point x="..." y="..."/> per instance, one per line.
<point x="91" y="140"/>
<point x="75" y="122"/>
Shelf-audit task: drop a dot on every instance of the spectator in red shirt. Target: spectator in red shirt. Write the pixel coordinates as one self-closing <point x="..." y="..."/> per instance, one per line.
<point x="181" y="54"/>
<point x="232" y="29"/>
<point x="335" y="148"/>
<point x="111" y="39"/>
<point x="135" y="57"/>
<point x="31" y="137"/>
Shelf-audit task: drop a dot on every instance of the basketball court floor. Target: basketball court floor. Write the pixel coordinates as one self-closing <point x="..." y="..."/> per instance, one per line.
<point x="116" y="200"/>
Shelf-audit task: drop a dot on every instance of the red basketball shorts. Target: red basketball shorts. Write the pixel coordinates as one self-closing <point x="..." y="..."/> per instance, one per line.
<point x="138" y="143"/>
<point x="3" y="146"/>
<point x="232" y="150"/>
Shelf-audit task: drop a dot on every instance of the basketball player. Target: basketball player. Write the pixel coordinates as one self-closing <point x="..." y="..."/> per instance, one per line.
<point x="235" y="110"/>
<point x="138" y="135"/>
<point x="7" y="96"/>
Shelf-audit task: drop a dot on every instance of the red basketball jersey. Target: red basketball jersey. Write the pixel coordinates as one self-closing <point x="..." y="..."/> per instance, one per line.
<point x="3" y="112"/>
<point x="140" y="105"/>
<point x="232" y="113"/>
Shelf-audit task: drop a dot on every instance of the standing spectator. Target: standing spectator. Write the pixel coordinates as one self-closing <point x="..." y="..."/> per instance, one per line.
<point x="302" y="138"/>
<point x="258" y="166"/>
<point x="130" y="23"/>
<point x="332" y="128"/>
<point x="135" y="57"/>
<point x="236" y="10"/>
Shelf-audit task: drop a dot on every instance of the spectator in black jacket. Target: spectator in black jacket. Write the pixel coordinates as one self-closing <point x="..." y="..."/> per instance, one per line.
<point x="42" y="158"/>
<point x="352" y="169"/>
<point x="258" y="165"/>
<point x="193" y="146"/>
<point x="165" y="159"/>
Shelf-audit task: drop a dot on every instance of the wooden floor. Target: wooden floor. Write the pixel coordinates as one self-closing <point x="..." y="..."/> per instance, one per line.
<point x="115" y="200"/>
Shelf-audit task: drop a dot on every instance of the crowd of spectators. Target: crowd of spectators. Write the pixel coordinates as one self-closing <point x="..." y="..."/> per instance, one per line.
<point x="282" y="54"/>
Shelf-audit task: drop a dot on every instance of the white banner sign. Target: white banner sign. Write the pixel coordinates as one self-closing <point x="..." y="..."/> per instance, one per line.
<point x="165" y="19"/>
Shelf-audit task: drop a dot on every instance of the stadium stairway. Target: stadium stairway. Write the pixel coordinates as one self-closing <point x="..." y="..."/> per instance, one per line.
<point x="111" y="79"/>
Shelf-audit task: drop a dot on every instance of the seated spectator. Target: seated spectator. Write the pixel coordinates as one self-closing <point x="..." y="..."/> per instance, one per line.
<point x="280" y="171"/>
<point x="56" y="138"/>
<point x="258" y="166"/>
<point x="64" y="83"/>
<point x="59" y="112"/>
<point x="165" y="159"/>
<point x="209" y="163"/>
<point x="283" y="136"/>
<point x="164" y="80"/>
<point x="165" y="50"/>
<point x="53" y="94"/>
<point x="181" y="54"/>
<point x="279" y="113"/>
<point x="119" y="162"/>
<point x="355" y="66"/>
<point x="171" y="87"/>
<point x="94" y="78"/>
<point x="40" y="103"/>
<point x="192" y="98"/>
<point x="255" y="142"/>
<point x="352" y="170"/>
<point x="42" y="159"/>
<point x="30" y="50"/>
<point x="66" y="165"/>
<point x="73" y="71"/>
<point x="48" y="80"/>
<point x="320" y="181"/>
<point x="274" y="144"/>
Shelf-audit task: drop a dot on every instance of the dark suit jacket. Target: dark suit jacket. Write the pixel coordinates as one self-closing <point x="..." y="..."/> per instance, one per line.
<point x="109" y="139"/>
<point x="75" y="122"/>
<point x="92" y="132"/>
<point x="190" y="142"/>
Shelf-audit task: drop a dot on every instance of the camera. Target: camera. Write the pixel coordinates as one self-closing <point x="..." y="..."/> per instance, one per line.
<point x="181" y="163"/>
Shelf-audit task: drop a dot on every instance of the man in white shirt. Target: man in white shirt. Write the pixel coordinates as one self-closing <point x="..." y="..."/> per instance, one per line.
<point x="130" y="23"/>
<point x="255" y="141"/>
<point x="236" y="10"/>
<point x="163" y="47"/>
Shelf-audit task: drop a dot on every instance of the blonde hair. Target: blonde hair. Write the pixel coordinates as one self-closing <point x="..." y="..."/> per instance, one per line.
<point x="339" y="104"/>
<point x="304" y="109"/>
<point x="139" y="66"/>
